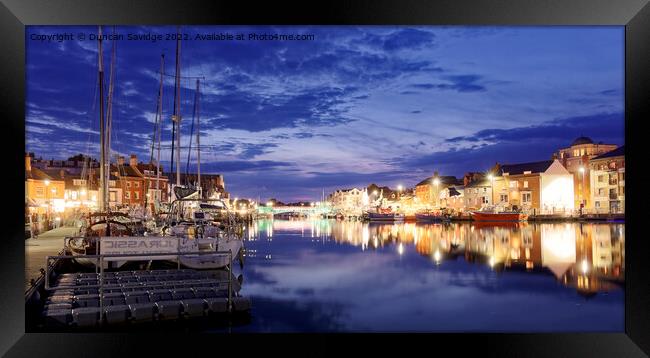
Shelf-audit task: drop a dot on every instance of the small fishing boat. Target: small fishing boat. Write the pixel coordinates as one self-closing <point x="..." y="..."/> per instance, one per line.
<point x="385" y="216"/>
<point x="430" y="217"/>
<point x="494" y="216"/>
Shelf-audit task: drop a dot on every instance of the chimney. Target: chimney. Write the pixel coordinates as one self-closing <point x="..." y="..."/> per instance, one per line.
<point x="133" y="161"/>
<point x="28" y="163"/>
<point x="120" y="160"/>
<point x="62" y="173"/>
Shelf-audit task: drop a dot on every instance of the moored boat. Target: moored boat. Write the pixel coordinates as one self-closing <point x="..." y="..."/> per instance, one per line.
<point x="507" y="216"/>
<point x="385" y="217"/>
<point x="429" y="217"/>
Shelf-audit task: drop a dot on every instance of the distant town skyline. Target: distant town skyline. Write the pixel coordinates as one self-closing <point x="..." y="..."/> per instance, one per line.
<point x="354" y="106"/>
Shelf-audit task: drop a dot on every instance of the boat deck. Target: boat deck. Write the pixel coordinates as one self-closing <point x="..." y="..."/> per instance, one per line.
<point x="138" y="296"/>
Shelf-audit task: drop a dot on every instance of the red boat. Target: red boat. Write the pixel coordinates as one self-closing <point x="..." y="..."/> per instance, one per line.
<point x="508" y="216"/>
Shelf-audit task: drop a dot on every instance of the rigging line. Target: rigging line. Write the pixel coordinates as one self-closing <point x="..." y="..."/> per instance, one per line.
<point x="189" y="152"/>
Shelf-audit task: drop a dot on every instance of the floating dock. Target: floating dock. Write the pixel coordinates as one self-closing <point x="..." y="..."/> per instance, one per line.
<point x="95" y="300"/>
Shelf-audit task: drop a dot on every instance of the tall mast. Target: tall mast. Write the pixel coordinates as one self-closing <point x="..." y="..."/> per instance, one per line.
<point x="198" y="136"/>
<point x="177" y="104"/>
<point x="160" y="111"/>
<point x="109" y="122"/>
<point x="102" y="166"/>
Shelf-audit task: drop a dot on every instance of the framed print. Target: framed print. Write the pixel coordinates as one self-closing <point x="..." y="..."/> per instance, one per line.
<point x="235" y="172"/>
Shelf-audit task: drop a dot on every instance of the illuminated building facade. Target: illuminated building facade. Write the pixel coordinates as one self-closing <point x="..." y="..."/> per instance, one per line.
<point x="608" y="182"/>
<point x="576" y="159"/>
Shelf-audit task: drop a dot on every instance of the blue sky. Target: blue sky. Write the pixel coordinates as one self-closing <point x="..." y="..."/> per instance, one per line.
<point x="356" y="105"/>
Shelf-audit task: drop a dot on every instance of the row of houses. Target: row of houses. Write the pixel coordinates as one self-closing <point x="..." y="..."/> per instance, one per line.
<point x="585" y="177"/>
<point x="56" y="185"/>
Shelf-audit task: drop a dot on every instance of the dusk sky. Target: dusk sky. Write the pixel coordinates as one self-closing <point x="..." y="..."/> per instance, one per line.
<point x="355" y="105"/>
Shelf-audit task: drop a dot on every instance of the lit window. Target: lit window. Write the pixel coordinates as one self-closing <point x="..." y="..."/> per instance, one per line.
<point x="525" y="183"/>
<point x="526" y="197"/>
<point x="137" y="195"/>
<point x="127" y="194"/>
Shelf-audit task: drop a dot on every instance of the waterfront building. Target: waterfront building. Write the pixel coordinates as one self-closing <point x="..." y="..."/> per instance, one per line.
<point x="349" y="201"/>
<point x="428" y="190"/>
<point x="131" y="181"/>
<point x="156" y="185"/>
<point x="453" y="198"/>
<point x="608" y="181"/>
<point x="576" y="159"/>
<point x="477" y="194"/>
<point x="544" y="187"/>
<point x="81" y="192"/>
<point x="44" y="189"/>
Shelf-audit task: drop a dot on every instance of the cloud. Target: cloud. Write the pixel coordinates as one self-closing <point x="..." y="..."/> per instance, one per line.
<point x="460" y="83"/>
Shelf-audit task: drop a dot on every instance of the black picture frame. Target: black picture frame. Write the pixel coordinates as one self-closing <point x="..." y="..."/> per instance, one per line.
<point x="633" y="14"/>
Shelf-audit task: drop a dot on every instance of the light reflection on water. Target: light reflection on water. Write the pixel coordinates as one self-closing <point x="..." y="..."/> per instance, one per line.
<point x="323" y="275"/>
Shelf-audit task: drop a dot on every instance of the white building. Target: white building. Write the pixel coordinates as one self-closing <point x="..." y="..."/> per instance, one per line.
<point x="349" y="201"/>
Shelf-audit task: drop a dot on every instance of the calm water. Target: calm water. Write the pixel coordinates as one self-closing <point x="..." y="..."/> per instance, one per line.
<point x="326" y="275"/>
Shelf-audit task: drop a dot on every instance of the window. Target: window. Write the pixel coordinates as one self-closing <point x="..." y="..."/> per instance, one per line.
<point x="525" y="183"/>
<point x="136" y="194"/>
<point x="484" y="200"/>
<point x="127" y="194"/>
<point x="526" y="197"/>
<point x="598" y="204"/>
<point x="623" y="176"/>
<point x="513" y="184"/>
<point x="601" y="178"/>
<point x="78" y="182"/>
<point x="485" y="190"/>
<point x="137" y="184"/>
<point x="128" y="184"/>
<point x="601" y="192"/>
<point x="504" y="198"/>
<point x="622" y="190"/>
<point x="40" y="191"/>
<point x="111" y="196"/>
<point x="576" y="152"/>
<point x="582" y="151"/>
<point x="73" y="195"/>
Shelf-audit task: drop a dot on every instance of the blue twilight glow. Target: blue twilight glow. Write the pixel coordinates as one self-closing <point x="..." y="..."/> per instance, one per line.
<point x="354" y="105"/>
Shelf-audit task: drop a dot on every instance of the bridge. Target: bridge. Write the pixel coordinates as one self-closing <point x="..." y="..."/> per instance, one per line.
<point x="307" y="210"/>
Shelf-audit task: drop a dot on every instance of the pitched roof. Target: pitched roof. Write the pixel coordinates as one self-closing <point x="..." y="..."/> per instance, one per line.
<point x="533" y="167"/>
<point x="444" y="179"/>
<point x="126" y="171"/>
<point x="479" y="183"/>
<point x="36" y="174"/>
<point x="620" y="151"/>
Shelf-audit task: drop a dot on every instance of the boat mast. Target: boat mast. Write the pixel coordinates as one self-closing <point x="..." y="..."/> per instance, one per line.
<point x="198" y="140"/>
<point x="102" y="167"/>
<point x="160" y="96"/>
<point x="109" y="121"/>
<point x="176" y="118"/>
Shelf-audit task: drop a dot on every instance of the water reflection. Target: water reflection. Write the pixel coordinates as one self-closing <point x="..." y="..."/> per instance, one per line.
<point x="588" y="257"/>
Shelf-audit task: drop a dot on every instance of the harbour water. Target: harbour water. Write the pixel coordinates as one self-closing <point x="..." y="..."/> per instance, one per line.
<point x="328" y="275"/>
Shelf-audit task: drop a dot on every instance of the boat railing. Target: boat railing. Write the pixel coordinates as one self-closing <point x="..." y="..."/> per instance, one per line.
<point x="99" y="269"/>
